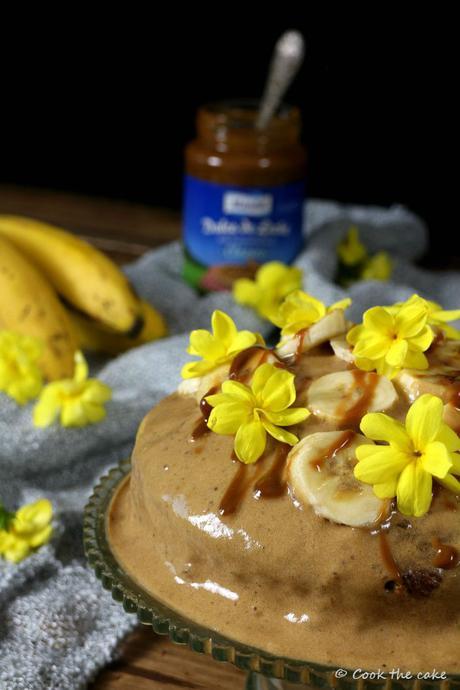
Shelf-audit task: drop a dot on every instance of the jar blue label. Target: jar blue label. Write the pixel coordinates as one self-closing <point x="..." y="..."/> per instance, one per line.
<point x="233" y="225"/>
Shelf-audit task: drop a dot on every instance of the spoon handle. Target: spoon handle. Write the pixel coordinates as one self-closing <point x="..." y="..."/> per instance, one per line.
<point x="287" y="58"/>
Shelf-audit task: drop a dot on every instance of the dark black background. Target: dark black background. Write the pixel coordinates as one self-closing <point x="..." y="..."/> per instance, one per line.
<point x="103" y="104"/>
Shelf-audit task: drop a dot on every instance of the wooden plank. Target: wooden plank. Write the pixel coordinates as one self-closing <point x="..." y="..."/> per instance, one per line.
<point x="123" y="229"/>
<point x="151" y="662"/>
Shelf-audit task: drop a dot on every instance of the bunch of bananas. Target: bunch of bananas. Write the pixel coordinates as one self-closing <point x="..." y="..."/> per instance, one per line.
<point x="61" y="290"/>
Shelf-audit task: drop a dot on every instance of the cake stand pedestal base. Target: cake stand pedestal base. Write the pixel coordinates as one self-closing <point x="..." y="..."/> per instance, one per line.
<point x="257" y="682"/>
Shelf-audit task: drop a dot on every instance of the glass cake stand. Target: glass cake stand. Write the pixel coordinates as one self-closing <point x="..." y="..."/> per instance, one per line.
<point x="265" y="671"/>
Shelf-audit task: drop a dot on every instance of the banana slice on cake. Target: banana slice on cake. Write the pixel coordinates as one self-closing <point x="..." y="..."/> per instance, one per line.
<point x="342" y="349"/>
<point x="320" y="474"/>
<point x="330" y="326"/>
<point x="442" y="378"/>
<point x="345" y="396"/>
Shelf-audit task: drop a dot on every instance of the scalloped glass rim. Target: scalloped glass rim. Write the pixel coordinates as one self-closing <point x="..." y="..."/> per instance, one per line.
<point x="166" y="621"/>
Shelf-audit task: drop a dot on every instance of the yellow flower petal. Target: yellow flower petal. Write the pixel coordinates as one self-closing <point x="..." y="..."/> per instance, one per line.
<point x="96" y="392"/>
<point x="451" y="483"/>
<point x="294" y="415"/>
<point x="203" y="344"/>
<point x="242" y="341"/>
<point x="378" y="319"/>
<point x="280" y="434"/>
<point x="445" y="315"/>
<point x="246" y="292"/>
<point x="15" y="549"/>
<point x="410" y="319"/>
<point x="228" y="417"/>
<point x="386" y="489"/>
<point x="223" y="327"/>
<point x="354" y="334"/>
<point x="380" y="427"/>
<point x="423" y="340"/>
<point x="192" y="370"/>
<point x="81" y="368"/>
<point x="372" y="347"/>
<point x="32" y="517"/>
<point x="341" y="304"/>
<point x="20" y="375"/>
<point x="415" y="360"/>
<point x="279" y="390"/>
<point x="73" y="414"/>
<point x="250" y="441"/>
<point x="455" y="460"/>
<point x="351" y="250"/>
<point x="219" y="399"/>
<point x="261" y="376"/>
<point x="93" y="412"/>
<point x="379" y="464"/>
<point x="46" y="411"/>
<point x="238" y="391"/>
<point x="436" y="459"/>
<point x="414" y="492"/>
<point x="377" y="267"/>
<point x="424" y="419"/>
<point x="41" y="537"/>
<point x="396" y="355"/>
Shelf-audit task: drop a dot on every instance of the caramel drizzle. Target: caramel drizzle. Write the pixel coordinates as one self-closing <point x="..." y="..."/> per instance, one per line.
<point x="240" y="369"/>
<point x="366" y="381"/>
<point x="388" y="558"/>
<point x="300" y="337"/>
<point x="447" y="557"/>
<point x="273" y="483"/>
<point x="236" y="491"/>
<point x="342" y="442"/>
<point x="453" y="394"/>
<point x="201" y="427"/>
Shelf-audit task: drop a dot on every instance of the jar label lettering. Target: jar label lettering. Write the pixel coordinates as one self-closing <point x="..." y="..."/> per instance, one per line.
<point x="232" y="225"/>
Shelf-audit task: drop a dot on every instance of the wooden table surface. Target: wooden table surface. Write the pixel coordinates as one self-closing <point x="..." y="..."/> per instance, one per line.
<point x="125" y="231"/>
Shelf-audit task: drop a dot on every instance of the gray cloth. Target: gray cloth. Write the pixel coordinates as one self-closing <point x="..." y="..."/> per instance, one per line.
<point x="57" y="626"/>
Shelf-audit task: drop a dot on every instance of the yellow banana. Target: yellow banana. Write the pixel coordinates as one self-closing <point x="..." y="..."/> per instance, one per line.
<point x="81" y="274"/>
<point x="95" y="338"/>
<point x="30" y="306"/>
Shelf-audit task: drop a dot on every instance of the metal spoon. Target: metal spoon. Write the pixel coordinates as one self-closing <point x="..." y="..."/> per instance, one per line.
<point x="287" y="58"/>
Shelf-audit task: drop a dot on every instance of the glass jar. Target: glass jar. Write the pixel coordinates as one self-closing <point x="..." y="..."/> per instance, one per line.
<point x="244" y="192"/>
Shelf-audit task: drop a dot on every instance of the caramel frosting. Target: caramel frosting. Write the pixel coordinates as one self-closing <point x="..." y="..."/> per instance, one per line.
<point x="231" y="547"/>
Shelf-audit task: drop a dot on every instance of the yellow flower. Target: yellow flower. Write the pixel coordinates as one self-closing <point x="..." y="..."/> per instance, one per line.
<point x="377" y="267"/>
<point x="77" y="402"/>
<point x="27" y="530"/>
<point x="218" y="347"/>
<point x="20" y="375"/>
<point x="436" y="315"/>
<point x="351" y="250"/>
<point x="390" y="339"/>
<point x="300" y="310"/>
<point x="273" y="281"/>
<point x="251" y="412"/>
<point x="421" y="449"/>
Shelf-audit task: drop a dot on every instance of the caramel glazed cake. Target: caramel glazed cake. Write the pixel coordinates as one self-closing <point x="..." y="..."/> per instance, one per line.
<point x="292" y="554"/>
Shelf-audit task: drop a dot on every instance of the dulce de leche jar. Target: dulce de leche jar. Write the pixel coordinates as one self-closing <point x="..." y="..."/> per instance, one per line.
<point x="244" y="192"/>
